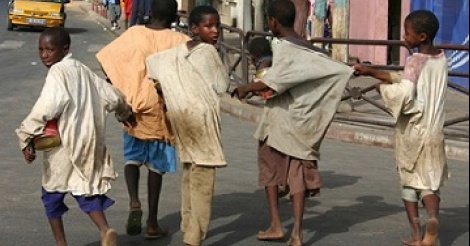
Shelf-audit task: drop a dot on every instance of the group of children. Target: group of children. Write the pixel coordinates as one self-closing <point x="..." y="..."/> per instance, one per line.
<point x="165" y="88"/>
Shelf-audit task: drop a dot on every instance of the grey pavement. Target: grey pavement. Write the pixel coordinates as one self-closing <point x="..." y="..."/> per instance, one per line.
<point x="359" y="203"/>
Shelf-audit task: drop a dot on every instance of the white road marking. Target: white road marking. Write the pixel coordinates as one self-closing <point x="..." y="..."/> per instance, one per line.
<point x="11" y="44"/>
<point x="94" y="48"/>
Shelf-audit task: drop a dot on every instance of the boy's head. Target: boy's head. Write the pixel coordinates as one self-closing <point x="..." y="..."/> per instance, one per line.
<point x="54" y="44"/>
<point x="204" y="22"/>
<point x="281" y="14"/>
<point x="421" y="27"/>
<point x="259" y="47"/>
<point x="164" y="11"/>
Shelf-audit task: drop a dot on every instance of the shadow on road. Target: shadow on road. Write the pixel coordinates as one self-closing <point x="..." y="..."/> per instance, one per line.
<point x="340" y="218"/>
<point x="331" y="180"/>
<point x="454" y="223"/>
<point x="250" y="210"/>
<point x="76" y="30"/>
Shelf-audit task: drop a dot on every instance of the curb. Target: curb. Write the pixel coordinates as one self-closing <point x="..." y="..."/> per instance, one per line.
<point x="343" y="132"/>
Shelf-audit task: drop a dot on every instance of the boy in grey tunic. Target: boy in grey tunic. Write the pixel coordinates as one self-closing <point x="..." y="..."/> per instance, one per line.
<point x="307" y="87"/>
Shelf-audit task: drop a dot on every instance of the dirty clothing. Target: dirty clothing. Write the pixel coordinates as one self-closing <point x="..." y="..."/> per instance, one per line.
<point x="197" y="191"/>
<point x="191" y="81"/>
<point x="123" y="61"/>
<point x="157" y="156"/>
<point x="308" y="87"/>
<point x="417" y="103"/>
<point x="80" y="100"/>
<point x="278" y="169"/>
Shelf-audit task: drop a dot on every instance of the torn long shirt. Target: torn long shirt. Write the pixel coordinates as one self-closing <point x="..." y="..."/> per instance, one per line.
<point x="416" y="100"/>
<point x="80" y="100"/>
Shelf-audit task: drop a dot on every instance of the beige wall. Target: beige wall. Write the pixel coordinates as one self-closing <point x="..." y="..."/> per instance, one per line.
<point x="369" y="20"/>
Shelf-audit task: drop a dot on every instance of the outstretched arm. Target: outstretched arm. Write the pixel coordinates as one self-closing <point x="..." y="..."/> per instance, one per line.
<point x="242" y="91"/>
<point x="361" y="69"/>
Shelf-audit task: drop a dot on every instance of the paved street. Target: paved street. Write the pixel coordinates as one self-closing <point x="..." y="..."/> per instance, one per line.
<point x="359" y="204"/>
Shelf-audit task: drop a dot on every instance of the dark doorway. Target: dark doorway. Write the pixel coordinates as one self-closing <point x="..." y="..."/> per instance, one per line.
<point x="394" y="27"/>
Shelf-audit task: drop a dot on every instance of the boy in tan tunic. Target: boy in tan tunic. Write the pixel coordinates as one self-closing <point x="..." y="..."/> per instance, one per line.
<point x="190" y="77"/>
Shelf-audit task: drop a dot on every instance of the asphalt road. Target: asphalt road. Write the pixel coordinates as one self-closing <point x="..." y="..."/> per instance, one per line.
<point x="359" y="204"/>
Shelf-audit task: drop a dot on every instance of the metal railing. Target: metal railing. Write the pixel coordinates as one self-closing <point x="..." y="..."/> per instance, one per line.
<point x="242" y="63"/>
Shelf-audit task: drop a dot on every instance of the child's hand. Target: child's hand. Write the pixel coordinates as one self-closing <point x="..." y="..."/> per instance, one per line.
<point x="266" y="94"/>
<point x="361" y="69"/>
<point x="239" y="92"/>
<point x="130" y="121"/>
<point x="29" y="153"/>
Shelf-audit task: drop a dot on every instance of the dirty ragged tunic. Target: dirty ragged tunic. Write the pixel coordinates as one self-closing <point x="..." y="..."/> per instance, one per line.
<point x="416" y="100"/>
<point x="80" y="100"/>
<point x="191" y="81"/>
<point x="123" y="61"/>
<point x="308" y="87"/>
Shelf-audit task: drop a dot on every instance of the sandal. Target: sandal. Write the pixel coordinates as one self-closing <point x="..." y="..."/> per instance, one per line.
<point x="157" y="235"/>
<point x="134" y="222"/>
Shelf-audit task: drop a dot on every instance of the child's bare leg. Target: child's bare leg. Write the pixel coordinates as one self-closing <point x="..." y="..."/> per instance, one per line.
<point x="99" y="219"/>
<point x="57" y="227"/>
<point x="108" y="235"/>
<point x="275" y="231"/>
<point x="298" y="203"/>
<point x="134" y="219"/>
<point x="413" y="219"/>
<point x="132" y="175"/>
<point x="431" y="202"/>
<point x="154" y="188"/>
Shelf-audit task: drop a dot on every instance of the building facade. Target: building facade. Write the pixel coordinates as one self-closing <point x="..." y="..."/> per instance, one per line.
<point x="363" y="19"/>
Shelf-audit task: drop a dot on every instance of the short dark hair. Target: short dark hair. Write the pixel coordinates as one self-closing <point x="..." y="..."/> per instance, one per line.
<point x="260" y="47"/>
<point x="283" y="11"/>
<point x="59" y="36"/>
<point x="424" y="21"/>
<point x="164" y="10"/>
<point x="198" y="13"/>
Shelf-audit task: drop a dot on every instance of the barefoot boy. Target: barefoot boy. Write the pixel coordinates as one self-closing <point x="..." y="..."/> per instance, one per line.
<point x="307" y="88"/>
<point x="80" y="100"/>
<point x="416" y="99"/>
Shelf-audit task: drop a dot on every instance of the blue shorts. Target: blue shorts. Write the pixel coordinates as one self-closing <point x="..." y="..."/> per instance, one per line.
<point x="55" y="206"/>
<point x="159" y="156"/>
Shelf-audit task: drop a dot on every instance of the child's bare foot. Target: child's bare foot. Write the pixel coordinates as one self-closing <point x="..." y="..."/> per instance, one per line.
<point x="154" y="232"/>
<point x="270" y="235"/>
<point x="109" y="238"/>
<point x="411" y="242"/>
<point x="295" y="241"/>
<point x="432" y="232"/>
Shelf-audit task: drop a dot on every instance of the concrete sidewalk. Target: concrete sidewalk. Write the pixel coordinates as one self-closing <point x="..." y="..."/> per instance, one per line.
<point x="346" y="130"/>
